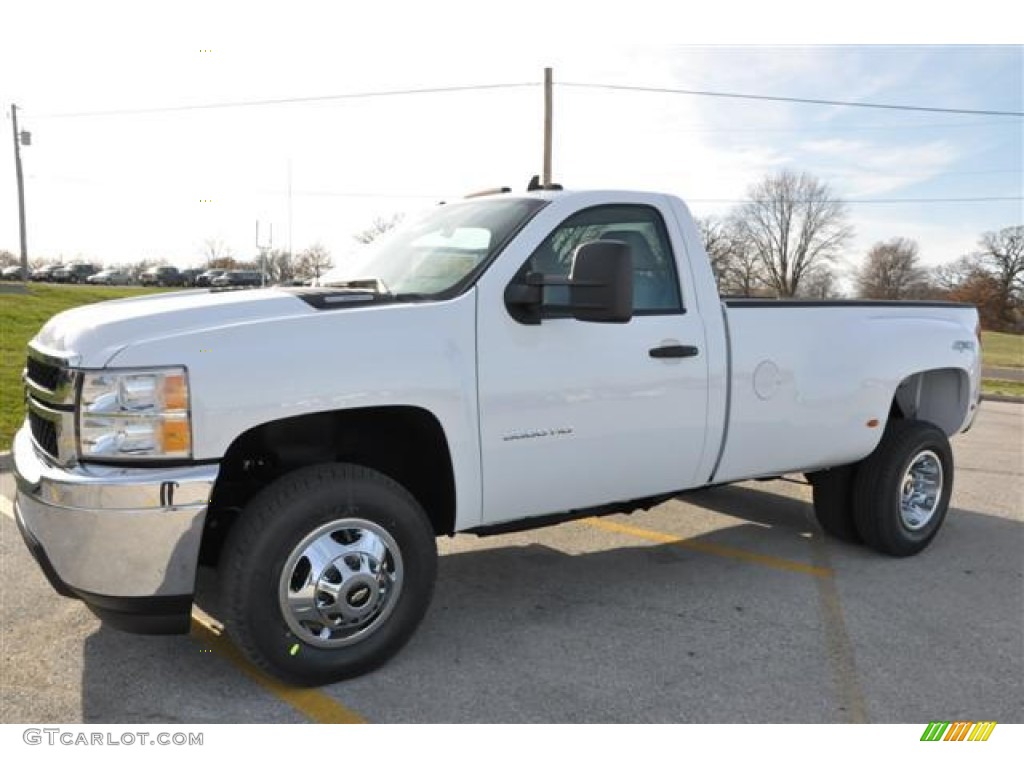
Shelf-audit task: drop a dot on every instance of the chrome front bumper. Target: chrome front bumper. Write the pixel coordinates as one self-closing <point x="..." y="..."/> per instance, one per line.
<point x="115" y="537"/>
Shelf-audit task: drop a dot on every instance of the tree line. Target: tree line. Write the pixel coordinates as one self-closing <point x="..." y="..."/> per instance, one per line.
<point x="787" y="238"/>
<point x="280" y="265"/>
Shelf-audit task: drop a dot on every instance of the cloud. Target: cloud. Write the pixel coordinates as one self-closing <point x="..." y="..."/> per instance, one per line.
<point x="859" y="168"/>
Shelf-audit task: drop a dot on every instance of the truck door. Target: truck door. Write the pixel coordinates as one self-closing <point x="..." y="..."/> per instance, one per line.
<point x="574" y="414"/>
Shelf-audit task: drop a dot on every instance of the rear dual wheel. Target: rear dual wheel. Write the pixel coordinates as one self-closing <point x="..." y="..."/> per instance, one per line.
<point x="833" y="502"/>
<point x="896" y="499"/>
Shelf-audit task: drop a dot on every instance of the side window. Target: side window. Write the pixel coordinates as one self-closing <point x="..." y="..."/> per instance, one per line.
<point x="655" y="285"/>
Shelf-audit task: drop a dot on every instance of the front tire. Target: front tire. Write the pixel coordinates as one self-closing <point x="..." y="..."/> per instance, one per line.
<point x="902" y="490"/>
<point x="327" y="573"/>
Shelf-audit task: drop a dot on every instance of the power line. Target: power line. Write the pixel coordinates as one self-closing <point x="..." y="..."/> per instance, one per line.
<point x="838" y="129"/>
<point x="869" y="201"/>
<point x="528" y="84"/>
<point x="449" y="195"/>
<point x="791" y="99"/>
<point x="287" y="100"/>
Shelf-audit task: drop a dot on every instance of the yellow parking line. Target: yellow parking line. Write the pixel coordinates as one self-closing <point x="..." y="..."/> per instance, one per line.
<point x="707" y="548"/>
<point x="317" y="706"/>
<point x="838" y="645"/>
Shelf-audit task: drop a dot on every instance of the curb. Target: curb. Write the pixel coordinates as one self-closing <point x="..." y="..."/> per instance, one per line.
<point x="1002" y="372"/>
<point x="1003" y="398"/>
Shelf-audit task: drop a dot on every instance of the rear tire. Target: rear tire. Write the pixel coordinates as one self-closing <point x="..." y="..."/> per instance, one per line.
<point x="902" y="490"/>
<point x="833" y="502"/>
<point x="327" y="573"/>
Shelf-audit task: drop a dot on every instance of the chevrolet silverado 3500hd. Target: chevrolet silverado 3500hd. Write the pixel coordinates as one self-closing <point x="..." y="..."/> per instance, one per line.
<point x="499" y="363"/>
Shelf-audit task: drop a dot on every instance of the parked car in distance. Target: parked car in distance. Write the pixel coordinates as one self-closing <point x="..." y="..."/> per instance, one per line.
<point x="44" y="274"/>
<point x="73" y="273"/>
<point x="237" y="278"/>
<point x="190" y="277"/>
<point x="206" y="279"/>
<point x="109" y="277"/>
<point x="162" y="276"/>
<point x="297" y="282"/>
<point x="11" y="273"/>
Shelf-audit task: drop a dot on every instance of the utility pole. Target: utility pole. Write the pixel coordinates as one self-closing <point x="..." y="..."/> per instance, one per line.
<point x="547" y="128"/>
<point x="289" y="208"/>
<point x="18" y="139"/>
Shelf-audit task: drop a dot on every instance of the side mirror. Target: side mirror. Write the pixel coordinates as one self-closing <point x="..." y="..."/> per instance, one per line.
<point x="601" y="282"/>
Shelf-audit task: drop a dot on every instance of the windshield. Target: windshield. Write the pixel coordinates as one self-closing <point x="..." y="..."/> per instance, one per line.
<point x="431" y="253"/>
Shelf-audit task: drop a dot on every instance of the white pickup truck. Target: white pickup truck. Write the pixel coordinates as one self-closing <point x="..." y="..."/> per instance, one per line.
<point x="499" y="363"/>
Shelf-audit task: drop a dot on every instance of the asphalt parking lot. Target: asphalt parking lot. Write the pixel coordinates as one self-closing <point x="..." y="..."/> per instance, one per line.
<point x="723" y="606"/>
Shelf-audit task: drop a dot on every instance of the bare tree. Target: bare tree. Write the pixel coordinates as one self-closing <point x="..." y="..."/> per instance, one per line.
<point x="820" y="282"/>
<point x="717" y="243"/>
<point x="737" y="269"/>
<point x="313" y="261"/>
<point x="379" y="226"/>
<point x="215" y="250"/>
<point x="951" y="275"/>
<point x="981" y="289"/>
<point x="892" y="270"/>
<point x="793" y="224"/>
<point x="720" y="245"/>
<point x="280" y="266"/>
<point x="8" y="259"/>
<point x="1002" y="253"/>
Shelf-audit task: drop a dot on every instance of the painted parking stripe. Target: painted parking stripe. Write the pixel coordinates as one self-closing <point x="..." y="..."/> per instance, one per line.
<point x="839" y="649"/>
<point x="707" y="548"/>
<point x="6" y="507"/>
<point x="317" y="706"/>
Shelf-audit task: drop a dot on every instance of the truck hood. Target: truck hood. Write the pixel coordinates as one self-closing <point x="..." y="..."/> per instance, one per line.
<point x="94" y="333"/>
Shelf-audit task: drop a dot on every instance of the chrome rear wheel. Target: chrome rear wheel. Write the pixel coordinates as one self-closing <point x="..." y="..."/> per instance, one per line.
<point x="921" y="490"/>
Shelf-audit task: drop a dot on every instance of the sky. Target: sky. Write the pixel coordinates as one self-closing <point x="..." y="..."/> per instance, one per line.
<point x="134" y="184"/>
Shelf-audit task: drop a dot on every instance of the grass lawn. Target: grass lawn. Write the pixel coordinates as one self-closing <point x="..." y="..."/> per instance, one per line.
<point x="21" y="317"/>
<point x="1000" y="387"/>
<point x="1003" y="350"/>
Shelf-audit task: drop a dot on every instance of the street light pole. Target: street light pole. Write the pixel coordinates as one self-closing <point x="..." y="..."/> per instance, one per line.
<point x="21" y="192"/>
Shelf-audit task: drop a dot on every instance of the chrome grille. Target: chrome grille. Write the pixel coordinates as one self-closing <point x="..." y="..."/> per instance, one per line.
<point x="43" y="374"/>
<point x="44" y="432"/>
<point x="50" y="385"/>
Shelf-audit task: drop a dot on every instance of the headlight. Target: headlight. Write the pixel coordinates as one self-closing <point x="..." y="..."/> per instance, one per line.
<point x="135" y="415"/>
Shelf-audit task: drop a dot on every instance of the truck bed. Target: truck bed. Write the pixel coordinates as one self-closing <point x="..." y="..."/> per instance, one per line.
<point x="811" y="382"/>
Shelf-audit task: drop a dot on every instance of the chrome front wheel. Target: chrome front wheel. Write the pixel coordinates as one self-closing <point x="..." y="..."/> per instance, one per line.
<point x="327" y="572"/>
<point x="340" y="583"/>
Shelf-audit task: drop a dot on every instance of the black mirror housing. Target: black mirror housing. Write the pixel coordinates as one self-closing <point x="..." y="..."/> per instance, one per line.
<point x="601" y="282"/>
